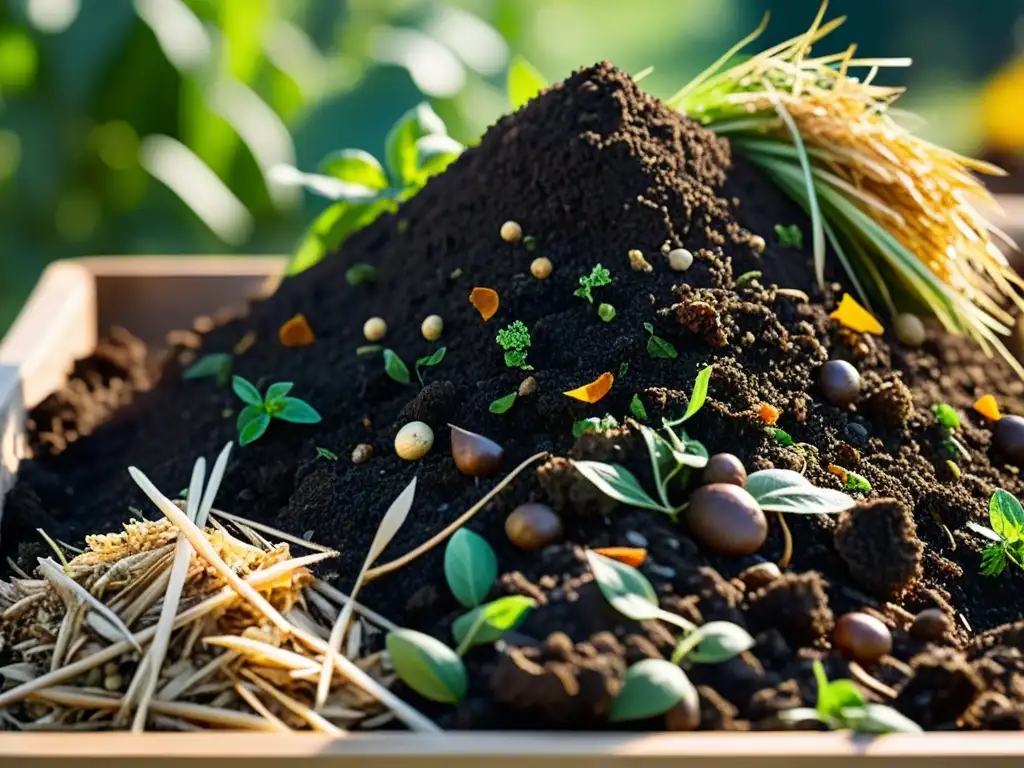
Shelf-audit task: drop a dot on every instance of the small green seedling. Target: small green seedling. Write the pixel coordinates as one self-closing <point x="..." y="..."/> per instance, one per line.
<point x="658" y="347"/>
<point x="429" y="362"/>
<point x="747" y="277"/>
<point x="782" y="437"/>
<point x="790" y="236"/>
<point x="358" y="274"/>
<point x="598" y="277"/>
<point x="841" y="706"/>
<point x="949" y="423"/>
<point x="515" y="339"/>
<point x="275" y="404"/>
<point x="636" y="407"/>
<point x="324" y="453"/>
<point x="1006" y="516"/>
<point x="217" y="365"/>
<point x="594" y="424"/>
<point x="502" y="404"/>
<point x="606" y="312"/>
<point x="395" y="367"/>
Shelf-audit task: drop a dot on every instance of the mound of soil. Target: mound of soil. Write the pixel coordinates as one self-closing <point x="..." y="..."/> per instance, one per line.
<point x="592" y="169"/>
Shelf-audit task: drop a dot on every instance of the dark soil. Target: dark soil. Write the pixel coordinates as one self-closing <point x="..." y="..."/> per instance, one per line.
<point x="593" y="168"/>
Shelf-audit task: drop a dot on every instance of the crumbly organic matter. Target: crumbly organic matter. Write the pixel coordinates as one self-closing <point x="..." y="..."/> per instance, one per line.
<point x="592" y="169"/>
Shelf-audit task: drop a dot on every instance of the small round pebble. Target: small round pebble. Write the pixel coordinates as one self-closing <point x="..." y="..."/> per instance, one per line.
<point x="533" y="526"/>
<point x="528" y="387"/>
<point x="840" y="382"/>
<point x="362" y="453"/>
<point x="760" y="575"/>
<point x="726" y="519"/>
<point x="909" y="330"/>
<point x="680" y="259"/>
<point x="725" y="468"/>
<point x="757" y="243"/>
<point x="863" y="637"/>
<point x="541" y="267"/>
<point x="374" y="329"/>
<point x="931" y="625"/>
<point x="1009" y="438"/>
<point x="432" y="327"/>
<point x="511" y="232"/>
<point x="414" y="441"/>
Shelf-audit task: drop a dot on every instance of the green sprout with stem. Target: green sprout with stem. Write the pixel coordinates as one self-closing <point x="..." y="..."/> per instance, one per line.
<point x="1006" y="517"/>
<point x="514" y="340"/>
<point x="598" y="277"/>
<point x="790" y="236"/>
<point x="261" y="409"/>
<point x="949" y="422"/>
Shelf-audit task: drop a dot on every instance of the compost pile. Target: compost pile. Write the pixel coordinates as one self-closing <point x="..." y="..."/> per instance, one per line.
<point x="592" y="169"/>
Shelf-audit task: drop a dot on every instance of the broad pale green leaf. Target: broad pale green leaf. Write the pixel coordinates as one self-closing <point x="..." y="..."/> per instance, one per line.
<point x="652" y="687"/>
<point x="297" y="411"/>
<point x="278" y="390"/>
<point x="699" y="394"/>
<point x="470" y="566"/>
<point x="626" y="589"/>
<point x="1006" y="515"/>
<point x="401" y="156"/>
<point x="434" y="153"/>
<point x="355" y="167"/>
<point x="395" y="367"/>
<point x="835" y="695"/>
<point x="524" y="82"/>
<point x="801" y="715"/>
<point x="984" y="530"/>
<point x="765" y="481"/>
<point x="247" y="414"/>
<point x="217" y="365"/>
<point x="878" y="718"/>
<point x="636" y="407"/>
<point x="502" y="404"/>
<point x="331" y="229"/>
<point x="254" y="429"/>
<point x="324" y="186"/>
<point x="717" y="641"/>
<point x="807" y="500"/>
<point x="426" y="665"/>
<point x="657" y="347"/>
<point x="429" y="361"/>
<point x="486" y="623"/>
<point x="246" y="391"/>
<point x="617" y="483"/>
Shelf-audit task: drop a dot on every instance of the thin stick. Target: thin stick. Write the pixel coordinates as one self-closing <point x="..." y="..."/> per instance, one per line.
<point x="858" y="673"/>
<point x="282" y="535"/>
<point x="338" y="596"/>
<point x="180" y="686"/>
<point x="295" y="707"/>
<point x="53" y="546"/>
<point x="787" y="538"/>
<point x="407" y="558"/>
<point x="253" y="701"/>
<point x="263" y="653"/>
<point x="17" y="569"/>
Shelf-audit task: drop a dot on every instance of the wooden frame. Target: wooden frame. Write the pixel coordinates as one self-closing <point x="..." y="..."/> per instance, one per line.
<point x="73" y="302"/>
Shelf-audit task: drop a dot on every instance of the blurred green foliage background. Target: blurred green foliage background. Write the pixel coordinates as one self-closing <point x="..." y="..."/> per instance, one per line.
<point x="147" y="126"/>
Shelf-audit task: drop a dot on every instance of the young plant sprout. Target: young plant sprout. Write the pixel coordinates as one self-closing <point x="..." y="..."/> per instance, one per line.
<point x="429" y="362"/>
<point x="325" y="453"/>
<point x="636" y="407"/>
<point x="217" y="365"/>
<point x="1006" y="517"/>
<point x="746" y="278"/>
<point x="416" y="148"/>
<point x="274" y="404"/>
<point x="949" y="423"/>
<point x="606" y="312"/>
<point x="503" y="404"/>
<point x="658" y="347"/>
<point x="515" y="339"/>
<point x="594" y="424"/>
<point x="396" y="368"/>
<point x="789" y="236"/>
<point x="598" y="277"/>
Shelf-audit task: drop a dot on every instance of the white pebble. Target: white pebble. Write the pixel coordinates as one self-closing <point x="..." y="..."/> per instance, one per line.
<point x="414" y="441"/>
<point x="680" y="259"/>
<point x="375" y="328"/>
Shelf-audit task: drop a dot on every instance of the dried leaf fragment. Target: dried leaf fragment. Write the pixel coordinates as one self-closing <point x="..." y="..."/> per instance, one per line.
<point x="594" y="391"/>
<point x="296" y="332"/>
<point x="631" y="556"/>
<point x="769" y="414"/>
<point x="852" y="315"/>
<point x="988" y="407"/>
<point x="485" y="300"/>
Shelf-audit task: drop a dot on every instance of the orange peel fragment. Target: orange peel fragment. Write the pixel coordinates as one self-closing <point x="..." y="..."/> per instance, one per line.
<point x="838" y="471"/>
<point x="486" y="302"/>
<point x="594" y="391"/>
<point x="769" y="414"/>
<point x="987" y="406"/>
<point x="852" y="315"/>
<point x="631" y="556"/>
<point x="296" y="332"/>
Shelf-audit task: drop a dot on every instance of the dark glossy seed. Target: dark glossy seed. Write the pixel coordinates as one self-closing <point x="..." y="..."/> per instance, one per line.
<point x="857" y="434"/>
<point x="931" y="626"/>
<point x="863" y="637"/>
<point x="725" y="468"/>
<point x="1009" y="438"/>
<point x="475" y="455"/>
<point x="533" y="526"/>
<point x="726" y="519"/>
<point x="840" y="382"/>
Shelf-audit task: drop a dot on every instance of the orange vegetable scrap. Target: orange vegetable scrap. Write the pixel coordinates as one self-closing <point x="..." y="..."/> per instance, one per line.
<point x="838" y="472"/>
<point x="296" y="332"/>
<point x="852" y="315"/>
<point x="594" y="391"/>
<point x="769" y="414"/>
<point x="486" y="302"/>
<point x="988" y="407"/>
<point x="632" y="556"/>
<point x="245" y="343"/>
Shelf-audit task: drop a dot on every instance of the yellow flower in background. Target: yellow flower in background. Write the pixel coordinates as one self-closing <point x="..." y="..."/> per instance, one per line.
<point x="1002" y="107"/>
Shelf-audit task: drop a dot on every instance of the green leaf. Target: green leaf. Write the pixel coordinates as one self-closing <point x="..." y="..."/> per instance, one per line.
<point x="699" y="393"/>
<point x="617" y="483"/>
<point x="367" y="350"/>
<point x="802" y="714"/>
<point x="651" y="687"/>
<point x="247" y="414"/>
<point x="324" y="186"/>
<point x="428" y="666"/>
<point x="401" y="155"/>
<point x="993" y="560"/>
<point x="765" y="481"/>
<point x="489" y="622"/>
<point x="354" y="166"/>
<point x="470" y="566"/>
<point x="712" y="643"/>
<point x="277" y="391"/>
<point x="840" y="694"/>
<point x="217" y="365"/>
<point x="254" y="429"/>
<point x="502" y="404"/>
<point x="626" y="589"/>
<point x="825" y="705"/>
<point x="434" y="153"/>
<point x="657" y="347"/>
<point x="623" y="369"/>
<point x="1006" y="515"/>
<point x="332" y="228"/>
<point x="855" y="482"/>
<point x="524" y="82"/>
<point x="594" y="424"/>
<point x="789" y="236"/>
<point x="324" y="453"/>
<point x="984" y="530"/>
<point x="606" y="312"/>
<point x="358" y="274"/>
<point x="429" y="361"/>
<point x="246" y="391"/>
<point x="805" y="500"/>
<point x="782" y="437"/>
<point x="297" y="411"/>
<point x="395" y="368"/>
<point x="636" y="407"/>
<point x="747" y="277"/>
<point x="946" y="416"/>
<point x="878" y="718"/>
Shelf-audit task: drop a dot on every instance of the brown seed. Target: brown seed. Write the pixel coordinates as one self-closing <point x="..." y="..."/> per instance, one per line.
<point x="1009" y="438"/>
<point x="362" y="453"/>
<point x="757" y="243"/>
<point x="840" y="382"/>
<point x="863" y="637"/>
<point x="541" y="267"/>
<point x="909" y="330"/>
<point x="931" y="626"/>
<point x="726" y="519"/>
<point x="475" y="455"/>
<point x="725" y="468"/>
<point x="532" y="526"/>
<point x="760" y="575"/>
<point x="684" y="716"/>
<point x="528" y="387"/>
